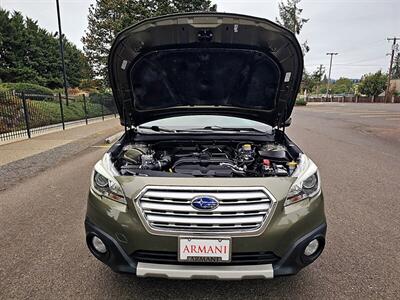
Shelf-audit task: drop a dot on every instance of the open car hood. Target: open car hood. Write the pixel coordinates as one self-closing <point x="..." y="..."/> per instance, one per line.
<point x="205" y="63"/>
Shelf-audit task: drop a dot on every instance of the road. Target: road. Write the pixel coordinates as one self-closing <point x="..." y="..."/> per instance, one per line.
<point x="43" y="253"/>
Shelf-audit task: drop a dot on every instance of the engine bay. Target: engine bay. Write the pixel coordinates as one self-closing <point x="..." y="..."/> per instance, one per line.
<point x="205" y="159"/>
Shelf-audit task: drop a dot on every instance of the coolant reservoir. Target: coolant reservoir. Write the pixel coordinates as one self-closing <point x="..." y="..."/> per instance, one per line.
<point x="292" y="166"/>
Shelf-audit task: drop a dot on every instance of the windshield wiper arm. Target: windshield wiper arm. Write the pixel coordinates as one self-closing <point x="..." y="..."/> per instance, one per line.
<point x="206" y="128"/>
<point x="157" y="129"/>
<point x="220" y="128"/>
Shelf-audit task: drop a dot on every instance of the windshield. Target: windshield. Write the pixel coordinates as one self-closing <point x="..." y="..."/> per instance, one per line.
<point x="198" y="122"/>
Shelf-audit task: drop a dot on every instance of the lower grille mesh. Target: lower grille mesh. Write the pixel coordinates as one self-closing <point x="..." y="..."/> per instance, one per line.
<point x="245" y="258"/>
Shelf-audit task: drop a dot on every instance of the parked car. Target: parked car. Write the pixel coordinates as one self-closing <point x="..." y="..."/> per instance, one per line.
<point x="205" y="183"/>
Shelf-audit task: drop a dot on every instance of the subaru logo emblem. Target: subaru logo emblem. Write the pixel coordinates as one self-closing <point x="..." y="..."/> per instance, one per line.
<point x="205" y="202"/>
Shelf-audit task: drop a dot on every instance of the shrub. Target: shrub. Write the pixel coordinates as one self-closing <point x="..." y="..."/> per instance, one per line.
<point x="3" y="90"/>
<point x="301" y="102"/>
<point x="27" y="88"/>
<point x="98" y="97"/>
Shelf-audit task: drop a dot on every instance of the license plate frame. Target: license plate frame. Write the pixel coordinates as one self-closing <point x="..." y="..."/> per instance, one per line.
<point x="207" y="257"/>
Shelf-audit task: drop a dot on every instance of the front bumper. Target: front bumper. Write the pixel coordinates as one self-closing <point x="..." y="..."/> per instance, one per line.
<point x="290" y="263"/>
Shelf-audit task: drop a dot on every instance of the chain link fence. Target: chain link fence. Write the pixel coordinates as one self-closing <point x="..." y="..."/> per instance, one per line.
<point x="24" y="115"/>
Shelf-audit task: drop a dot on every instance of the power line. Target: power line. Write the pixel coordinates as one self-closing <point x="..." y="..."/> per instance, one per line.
<point x="363" y="46"/>
<point x="354" y="63"/>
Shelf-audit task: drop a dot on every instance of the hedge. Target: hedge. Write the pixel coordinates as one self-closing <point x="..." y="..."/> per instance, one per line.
<point x="27" y="88"/>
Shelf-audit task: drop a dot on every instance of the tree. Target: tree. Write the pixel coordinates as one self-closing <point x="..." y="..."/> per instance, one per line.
<point x="31" y="54"/>
<point x="77" y="66"/>
<point x="342" y="86"/>
<point x="373" y="84"/>
<point x="108" y="17"/>
<point x="290" y="18"/>
<point x="312" y="81"/>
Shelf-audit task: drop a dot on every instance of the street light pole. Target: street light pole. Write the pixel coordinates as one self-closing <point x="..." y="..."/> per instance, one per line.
<point x="62" y="52"/>
<point x="329" y="74"/>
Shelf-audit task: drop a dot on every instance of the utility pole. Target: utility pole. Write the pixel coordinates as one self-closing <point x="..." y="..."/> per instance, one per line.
<point x="329" y="74"/>
<point x="62" y="52"/>
<point x="394" y="45"/>
<point x="319" y="83"/>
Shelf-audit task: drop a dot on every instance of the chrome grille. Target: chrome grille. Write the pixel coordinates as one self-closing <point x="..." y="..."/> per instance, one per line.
<point x="168" y="210"/>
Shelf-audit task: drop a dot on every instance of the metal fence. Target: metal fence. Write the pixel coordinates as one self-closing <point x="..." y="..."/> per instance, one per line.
<point x="24" y="115"/>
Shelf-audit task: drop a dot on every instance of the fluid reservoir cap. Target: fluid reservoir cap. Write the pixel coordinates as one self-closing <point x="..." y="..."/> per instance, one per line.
<point x="246" y="147"/>
<point x="292" y="164"/>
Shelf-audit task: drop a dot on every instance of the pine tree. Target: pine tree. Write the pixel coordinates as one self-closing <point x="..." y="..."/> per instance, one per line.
<point x="290" y="18"/>
<point x="107" y="17"/>
<point x="31" y="54"/>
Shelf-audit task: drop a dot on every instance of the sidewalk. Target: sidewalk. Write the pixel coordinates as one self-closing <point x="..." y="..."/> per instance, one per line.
<point x="24" y="148"/>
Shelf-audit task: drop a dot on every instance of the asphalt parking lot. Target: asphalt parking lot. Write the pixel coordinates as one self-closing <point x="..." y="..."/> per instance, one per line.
<point x="357" y="148"/>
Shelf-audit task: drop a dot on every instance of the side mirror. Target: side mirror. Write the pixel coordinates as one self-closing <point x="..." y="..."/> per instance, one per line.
<point x="288" y="122"/>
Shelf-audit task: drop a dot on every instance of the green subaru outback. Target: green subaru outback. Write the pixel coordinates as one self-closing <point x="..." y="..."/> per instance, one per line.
<point x="205" y="183"/>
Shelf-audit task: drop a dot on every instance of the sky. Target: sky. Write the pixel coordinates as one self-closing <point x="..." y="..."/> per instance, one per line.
<point x="356" y="29"/>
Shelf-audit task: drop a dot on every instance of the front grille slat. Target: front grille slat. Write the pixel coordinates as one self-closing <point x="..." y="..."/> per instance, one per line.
<point x="169" y="209"/>
<point x="220" y="209"/>
<point x="222" y="202"/>
<point x="184" y="195"/>
<point x="203" y="220"/>
<point x="228" y="228"/>
<point x="200" y="214"/>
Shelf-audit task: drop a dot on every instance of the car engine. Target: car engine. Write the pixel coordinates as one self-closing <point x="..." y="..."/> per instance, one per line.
<point x="194" y="159"/>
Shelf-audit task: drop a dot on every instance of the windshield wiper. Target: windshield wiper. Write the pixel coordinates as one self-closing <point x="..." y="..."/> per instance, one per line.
<point x="220" y="128"/>
<point x="206" y="128"/>
<point x="157" y="129"/>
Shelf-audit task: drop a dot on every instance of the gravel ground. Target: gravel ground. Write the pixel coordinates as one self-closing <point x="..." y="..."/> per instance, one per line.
<point x="44" y="256"/>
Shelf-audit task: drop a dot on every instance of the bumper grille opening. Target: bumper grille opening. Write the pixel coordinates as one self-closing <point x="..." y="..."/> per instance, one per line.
<point x="169" y="209"/>
<point x="242" y="258"/>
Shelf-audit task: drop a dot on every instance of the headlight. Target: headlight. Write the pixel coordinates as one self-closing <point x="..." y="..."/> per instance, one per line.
<point x="104" y="184"/>
<point x="307" y="184"/>
<point x="100" y="181"/>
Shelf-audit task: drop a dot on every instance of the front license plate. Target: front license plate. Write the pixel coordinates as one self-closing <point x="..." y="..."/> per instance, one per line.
<point x="204" y="249"/>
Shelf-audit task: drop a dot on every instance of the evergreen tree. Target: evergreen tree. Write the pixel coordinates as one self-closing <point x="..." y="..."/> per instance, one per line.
<point x="77" y="66"/>
<point x="290" y="18"/>
<point x="31" y="54"/>
<point x="108" y="17"/>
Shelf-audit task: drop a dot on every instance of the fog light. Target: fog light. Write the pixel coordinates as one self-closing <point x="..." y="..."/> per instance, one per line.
<point x="311" y="248"/>
<point x="98" y="245"/>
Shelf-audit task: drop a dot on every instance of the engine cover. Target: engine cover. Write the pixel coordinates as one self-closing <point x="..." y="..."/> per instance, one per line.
<point x="203" y="167"/>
